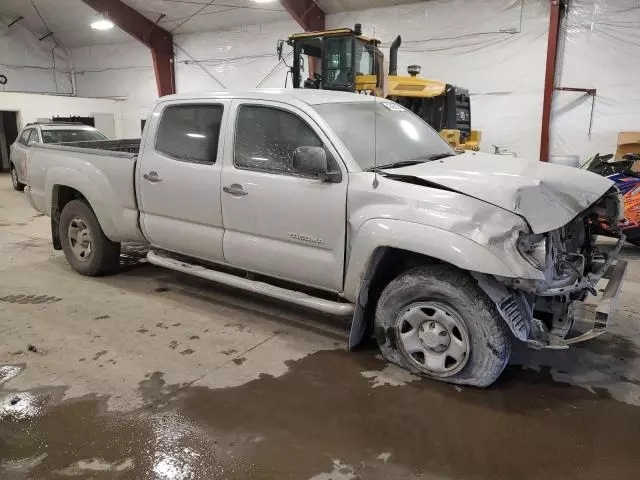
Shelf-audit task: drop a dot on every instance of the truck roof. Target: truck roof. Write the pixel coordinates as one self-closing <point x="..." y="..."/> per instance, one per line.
<point x="306" y="95"/>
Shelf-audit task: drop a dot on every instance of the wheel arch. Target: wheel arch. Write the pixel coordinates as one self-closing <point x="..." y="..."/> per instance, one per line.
<point x="384" y="248"/>
<point x="60" y="196"/>
<point x="66" y="184"/>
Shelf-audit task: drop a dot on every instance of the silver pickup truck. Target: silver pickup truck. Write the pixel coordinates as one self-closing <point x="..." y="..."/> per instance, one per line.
<point x="352" y="206"/>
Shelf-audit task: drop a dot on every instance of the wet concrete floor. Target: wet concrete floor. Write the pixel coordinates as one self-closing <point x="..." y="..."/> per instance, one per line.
<point x="324" y="416"/>
<point x="151" y="375"/>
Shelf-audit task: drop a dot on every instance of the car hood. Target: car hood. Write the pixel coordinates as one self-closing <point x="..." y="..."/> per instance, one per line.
<point x="547" y="196"/>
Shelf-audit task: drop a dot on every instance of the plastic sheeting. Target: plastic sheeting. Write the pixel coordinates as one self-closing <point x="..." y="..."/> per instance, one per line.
<point x="243" y="57"/>
<point x="123" y="71"/>
<point x="601" y="50"/>
<point x="495" y="48"/>
<point x="28" y="63"/>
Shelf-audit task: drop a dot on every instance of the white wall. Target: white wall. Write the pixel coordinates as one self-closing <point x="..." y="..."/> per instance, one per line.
<point x="238" y="58"/>
<point x="495" y="48"/>
<point x="30" y="107"/>
<point x="467" y="43"/>
<point x="123" y="71"/>
<point x="28" y="63"/>
<point x="461" y="42"/>
<point x="601" y="51"/>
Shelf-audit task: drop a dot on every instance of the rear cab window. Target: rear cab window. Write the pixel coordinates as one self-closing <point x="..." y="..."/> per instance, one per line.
<point x="190" y="132"/>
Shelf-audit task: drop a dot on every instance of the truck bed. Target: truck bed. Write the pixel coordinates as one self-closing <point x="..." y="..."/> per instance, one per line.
<point x="126" y="145"/>
<point x="101" y="171"/>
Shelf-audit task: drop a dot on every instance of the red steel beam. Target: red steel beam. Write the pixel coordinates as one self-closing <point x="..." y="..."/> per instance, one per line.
<point x="550" y="76"/>
<point x="157" y="39"/>
<point x="307" y="13"/>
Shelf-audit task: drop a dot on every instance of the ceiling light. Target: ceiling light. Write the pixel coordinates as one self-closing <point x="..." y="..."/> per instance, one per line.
<point x="101" y="23"/>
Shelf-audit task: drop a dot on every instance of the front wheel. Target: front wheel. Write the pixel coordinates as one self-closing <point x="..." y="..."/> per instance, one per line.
<point x="435" y="321"/>
<point x="17" y="185"/>
<point x="87" y="248"/>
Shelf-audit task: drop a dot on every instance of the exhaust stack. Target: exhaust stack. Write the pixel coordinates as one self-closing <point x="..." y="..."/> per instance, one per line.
<point x="393" y="56"/>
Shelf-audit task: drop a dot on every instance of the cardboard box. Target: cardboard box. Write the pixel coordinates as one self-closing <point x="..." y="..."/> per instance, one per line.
<point x="628" y="142"/>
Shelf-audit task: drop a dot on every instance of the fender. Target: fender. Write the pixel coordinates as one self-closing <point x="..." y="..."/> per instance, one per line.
<point x="434" y="242"/>
<point x="98" y="193"/>
<point x="444" y="245"/>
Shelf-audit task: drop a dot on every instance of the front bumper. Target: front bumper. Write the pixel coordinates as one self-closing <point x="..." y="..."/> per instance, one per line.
<point x="595" y="315"/>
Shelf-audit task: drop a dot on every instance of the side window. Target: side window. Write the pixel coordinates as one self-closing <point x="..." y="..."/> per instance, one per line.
<point x="34" y="136"/>
<point x="24" y="138"/>
<point x="266" y="139"/>
<point x="190" y="132"/>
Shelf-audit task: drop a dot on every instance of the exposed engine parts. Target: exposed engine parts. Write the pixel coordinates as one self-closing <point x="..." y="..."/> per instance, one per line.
<point x="542" y="312"/>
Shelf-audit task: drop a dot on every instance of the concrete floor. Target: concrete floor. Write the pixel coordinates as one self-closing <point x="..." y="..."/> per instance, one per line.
<point x="151" y="374"/>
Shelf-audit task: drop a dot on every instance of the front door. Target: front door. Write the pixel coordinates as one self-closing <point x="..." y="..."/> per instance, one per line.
<point x="278" y="222"/>
<point x="179" y="178"/>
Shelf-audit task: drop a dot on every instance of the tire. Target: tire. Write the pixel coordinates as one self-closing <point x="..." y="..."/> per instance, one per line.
<point x="447" y="300"/>
<point x="78" y="222"/>
<point x="14" y="179"/>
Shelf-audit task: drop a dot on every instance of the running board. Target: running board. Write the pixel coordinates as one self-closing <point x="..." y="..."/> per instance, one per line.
<point x="290" y="296"/>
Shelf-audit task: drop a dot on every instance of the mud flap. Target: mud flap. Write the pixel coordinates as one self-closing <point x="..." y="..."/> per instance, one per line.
<point x="360" y="323"/>
<point x="358" y="327"/>
<point x="55" y="230"/>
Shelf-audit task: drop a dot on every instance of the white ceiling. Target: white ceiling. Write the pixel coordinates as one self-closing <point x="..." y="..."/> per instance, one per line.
<point x="69" y="19"/>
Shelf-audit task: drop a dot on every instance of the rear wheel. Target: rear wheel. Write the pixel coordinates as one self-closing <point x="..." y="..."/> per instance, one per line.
<point x="14" y="179"/>
<point x="87" y="248"/>
<point x="435" y="321"/>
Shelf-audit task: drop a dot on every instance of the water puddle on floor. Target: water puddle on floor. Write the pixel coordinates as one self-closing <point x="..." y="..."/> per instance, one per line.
<point x="325" y="419"/>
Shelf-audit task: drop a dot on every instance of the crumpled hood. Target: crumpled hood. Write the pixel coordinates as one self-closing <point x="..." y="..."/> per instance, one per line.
<point x="548" y="196"/>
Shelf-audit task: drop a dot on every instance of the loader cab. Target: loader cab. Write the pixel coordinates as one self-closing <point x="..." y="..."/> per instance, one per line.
<point x="340" y="59"/>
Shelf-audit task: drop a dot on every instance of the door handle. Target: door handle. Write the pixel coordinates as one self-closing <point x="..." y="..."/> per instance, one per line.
<point x="152" y="177"/>
<point x="235" y="190"/>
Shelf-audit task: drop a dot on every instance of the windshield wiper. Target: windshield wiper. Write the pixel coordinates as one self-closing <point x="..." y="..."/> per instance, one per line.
<point x="439" y="156"/>
<point x="404" y="163"/>
<point x="413" y="161"/>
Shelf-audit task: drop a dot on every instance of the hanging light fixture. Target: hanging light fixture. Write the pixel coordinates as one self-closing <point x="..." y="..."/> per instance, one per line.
<point x="101" y="22"/>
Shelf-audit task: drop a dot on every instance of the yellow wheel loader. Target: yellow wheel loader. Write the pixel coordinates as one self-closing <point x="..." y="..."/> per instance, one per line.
<point x="346" y="60"/>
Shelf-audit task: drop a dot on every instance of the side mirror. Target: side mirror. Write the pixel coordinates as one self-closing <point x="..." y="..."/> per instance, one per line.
<point x="312" y="162"/>
<point x="279" y="49"/>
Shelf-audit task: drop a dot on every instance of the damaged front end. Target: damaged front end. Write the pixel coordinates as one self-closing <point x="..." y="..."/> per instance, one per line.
<point x="543" y="313"/>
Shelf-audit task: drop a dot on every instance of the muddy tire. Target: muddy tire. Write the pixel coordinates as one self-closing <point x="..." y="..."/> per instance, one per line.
<point x="85" y="245"/>
<point x="14" y="179"/>
<point x="435" y="321"/>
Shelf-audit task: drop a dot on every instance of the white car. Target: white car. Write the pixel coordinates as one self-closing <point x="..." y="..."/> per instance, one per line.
<point x="56" y="132"/>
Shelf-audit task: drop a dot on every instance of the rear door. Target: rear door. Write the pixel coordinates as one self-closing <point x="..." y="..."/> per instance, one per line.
<point x="179" y="178"/>
<point x="277" y="221"/>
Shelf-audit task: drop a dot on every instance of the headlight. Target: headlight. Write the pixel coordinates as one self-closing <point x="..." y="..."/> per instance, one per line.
<point x="534" y="249"/>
